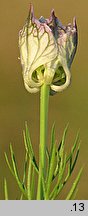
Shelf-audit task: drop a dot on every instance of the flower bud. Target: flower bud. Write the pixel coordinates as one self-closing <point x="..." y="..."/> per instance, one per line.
<point x="47" y="49"/>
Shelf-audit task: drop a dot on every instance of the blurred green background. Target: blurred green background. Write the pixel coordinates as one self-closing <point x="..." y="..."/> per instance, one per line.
<point x="17" y="105"/>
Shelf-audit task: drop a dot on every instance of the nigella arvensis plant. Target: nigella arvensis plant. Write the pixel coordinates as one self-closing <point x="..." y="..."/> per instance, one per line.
<point x="47" y="49"/>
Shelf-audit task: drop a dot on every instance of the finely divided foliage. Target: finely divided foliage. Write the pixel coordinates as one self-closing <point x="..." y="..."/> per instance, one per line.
<point x="60" y="166"/>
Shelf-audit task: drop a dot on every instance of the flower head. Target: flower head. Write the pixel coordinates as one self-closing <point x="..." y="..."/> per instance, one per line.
<point x="47" y="49"/>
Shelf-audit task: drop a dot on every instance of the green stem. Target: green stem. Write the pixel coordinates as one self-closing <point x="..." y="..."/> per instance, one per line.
<point x="44" y="100"/>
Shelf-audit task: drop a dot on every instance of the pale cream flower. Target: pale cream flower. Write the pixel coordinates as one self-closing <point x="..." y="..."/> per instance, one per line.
<point x="47" y="49"/>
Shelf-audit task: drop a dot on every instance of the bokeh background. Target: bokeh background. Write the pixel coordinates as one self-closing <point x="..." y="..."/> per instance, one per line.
<point x="18" y="106"/>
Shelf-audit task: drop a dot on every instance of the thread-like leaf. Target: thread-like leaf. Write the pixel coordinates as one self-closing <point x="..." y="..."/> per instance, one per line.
<point x="29" y="148"/>
<point x="51" y="149"/>
<point x="52" y="140"/>
<point x="44" y="188"/>
<point x="51" y="170"/>
<point x="61" y="163"/>
<point x="74" y="194"/>
<point x="63" y="138"/>
<point x="74" y="186"/>
<point x="29" y="180"/>
<point x="57" y="166"/>
<point x="24" y="172"/>
<point x="75" y="160"/>
<point x="47" y="154"/>
<point x="59" y="153"/>
<point x="21" y="186"/>
<point x="5" y="189"/>
<point x="33" y="184"/>
<point x="58" y="186"/>
<point x="25" y="168"/>
<point x="9" y="166"/>
<point x="14" y="162"/>
<point x="74" y="147"/>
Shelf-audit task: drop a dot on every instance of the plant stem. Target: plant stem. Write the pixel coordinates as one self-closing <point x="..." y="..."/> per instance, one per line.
<point x="44" y="101"/>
